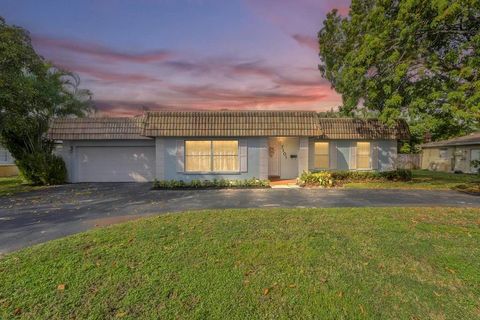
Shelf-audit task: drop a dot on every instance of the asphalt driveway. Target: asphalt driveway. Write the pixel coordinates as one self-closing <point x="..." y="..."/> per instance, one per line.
<point x="39" y="216"/>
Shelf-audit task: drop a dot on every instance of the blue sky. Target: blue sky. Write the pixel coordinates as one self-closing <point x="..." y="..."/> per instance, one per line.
<point x="184" y="54"/>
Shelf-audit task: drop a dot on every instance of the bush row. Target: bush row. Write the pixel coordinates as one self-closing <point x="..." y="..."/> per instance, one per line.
<point x="334" y="178"/>
<point x="210" y="184"/>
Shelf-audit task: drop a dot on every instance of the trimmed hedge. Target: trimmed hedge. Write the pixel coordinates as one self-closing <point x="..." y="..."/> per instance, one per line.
<point x="210" y="184"/>
<point x="335" y="178"/>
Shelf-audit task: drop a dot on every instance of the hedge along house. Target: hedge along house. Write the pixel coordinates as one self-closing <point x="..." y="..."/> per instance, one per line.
<point x="452" y="155"/>
<point x="222" y="144"/>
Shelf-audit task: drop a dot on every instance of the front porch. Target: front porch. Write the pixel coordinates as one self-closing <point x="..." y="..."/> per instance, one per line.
<point x="277" y="183"/>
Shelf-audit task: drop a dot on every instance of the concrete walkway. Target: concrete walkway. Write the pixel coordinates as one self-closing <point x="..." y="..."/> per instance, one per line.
<point x="42" y="215"/>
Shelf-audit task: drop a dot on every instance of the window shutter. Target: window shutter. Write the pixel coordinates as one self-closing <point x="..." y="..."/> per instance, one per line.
<point x="180" y="156"/>
<point x="263" y="173"/>
<point x="353" y="156"/>
<point x="333" y="154"/>
<point x="311" y="154"/>
<point x="243" y="155"/>
<point x="374" y="153"/>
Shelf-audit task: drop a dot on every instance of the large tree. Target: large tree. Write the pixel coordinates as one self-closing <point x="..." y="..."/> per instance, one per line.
<point x="32" y="92"/>
<point x="415" y="59"/>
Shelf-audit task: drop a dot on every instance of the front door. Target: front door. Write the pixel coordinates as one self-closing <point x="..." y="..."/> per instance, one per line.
<point x="273" y="158"/>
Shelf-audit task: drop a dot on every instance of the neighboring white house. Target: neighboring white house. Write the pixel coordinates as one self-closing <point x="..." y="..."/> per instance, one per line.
<point x="222" y="144"/>
<point x="7" y="163"/>
<point x="452" y="155"/>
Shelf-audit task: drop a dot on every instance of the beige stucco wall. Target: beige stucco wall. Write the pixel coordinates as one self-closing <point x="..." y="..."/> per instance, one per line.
<point x="8" y="170"/>
<point x="458" y="158"/>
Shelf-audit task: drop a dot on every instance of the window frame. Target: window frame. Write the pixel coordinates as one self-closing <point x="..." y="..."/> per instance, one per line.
<point x="443" y="150"/>
<point x="7" y="159"/>
<point x="212" y="156"/>
<point x="357" y="156"/>
<point x="315" y="155"/>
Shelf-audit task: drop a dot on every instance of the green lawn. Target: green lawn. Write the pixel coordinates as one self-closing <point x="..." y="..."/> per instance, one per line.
<point x="424" y="179"/>
<point x="396" y="263"/>
<point x="13" y="185"/>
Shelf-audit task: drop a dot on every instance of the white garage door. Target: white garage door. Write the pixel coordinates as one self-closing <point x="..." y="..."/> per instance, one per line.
<point x="115" y="164"/>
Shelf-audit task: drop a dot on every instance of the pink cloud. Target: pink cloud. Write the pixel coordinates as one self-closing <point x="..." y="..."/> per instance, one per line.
<point x="110" y="76"/>
<point x="98" y="51"/>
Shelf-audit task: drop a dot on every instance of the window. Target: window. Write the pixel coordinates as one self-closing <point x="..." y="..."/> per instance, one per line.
<point x="211" y="156"/>
<point x="443" y="153"/>
<point x="321" y="155"/>
<point x="5" y="157"/>
<point x="363" y="155"/>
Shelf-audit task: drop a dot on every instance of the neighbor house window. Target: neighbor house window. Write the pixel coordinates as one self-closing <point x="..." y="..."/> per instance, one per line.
<point x="363" y="155"/>
<point x="5" y="157"/>
<point x="321" y="155"/>
<point x="443" y="153"/>
<point x="211" y="156"/>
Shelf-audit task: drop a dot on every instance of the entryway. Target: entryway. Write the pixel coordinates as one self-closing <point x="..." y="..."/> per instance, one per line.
<point x="283" y="158"/>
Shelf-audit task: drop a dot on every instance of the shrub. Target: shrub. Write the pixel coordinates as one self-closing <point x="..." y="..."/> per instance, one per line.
<point x="476" y="165"/>
<point x="42" y="169"/>
<point x="321" y="178"/>
<point x="397" y="175"/>
<point x="210" y="184"/>
<point x="333" y="178"/>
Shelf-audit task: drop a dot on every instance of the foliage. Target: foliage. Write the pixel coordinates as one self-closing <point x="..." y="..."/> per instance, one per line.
<point x="339" y="263"/>
<point x="32" y="92"/>
<point x="476" y="165"/>
<point x="417" y="60"/>
<point x="43" y="168"/>
<point x="334" y="178"/>
<point x="406" y="148"/>
<point x="423" y="179"/>
<point x="321" y="179"/>
<point x="210" y="184"/>
<point x="11" y="185"/>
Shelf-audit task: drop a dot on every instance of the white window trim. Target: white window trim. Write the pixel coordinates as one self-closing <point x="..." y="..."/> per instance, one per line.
<point x="211" y="157"/>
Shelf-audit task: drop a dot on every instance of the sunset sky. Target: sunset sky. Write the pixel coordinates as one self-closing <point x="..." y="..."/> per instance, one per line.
<point x="185" y="54"/>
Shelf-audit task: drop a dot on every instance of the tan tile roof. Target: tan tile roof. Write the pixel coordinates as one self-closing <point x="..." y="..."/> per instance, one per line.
<point x="223" y="124"/>
<point x="349" y="128"/>
<point x="470" y="139"/>
<point x="97" y="129"/>
<point x="231" y="123"/>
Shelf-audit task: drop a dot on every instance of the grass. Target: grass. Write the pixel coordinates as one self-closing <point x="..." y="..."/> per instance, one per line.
<point x="11" y="185"/>
<point x="363" y="263"/>
<point x="424" y="179"/>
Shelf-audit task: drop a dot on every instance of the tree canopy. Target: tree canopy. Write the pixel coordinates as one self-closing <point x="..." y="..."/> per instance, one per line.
<point x="32" y="92"/>
<point x="412" y="59"/>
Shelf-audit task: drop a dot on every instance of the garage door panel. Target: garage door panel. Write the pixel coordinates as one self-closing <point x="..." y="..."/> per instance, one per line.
<point x="115" y="164"/>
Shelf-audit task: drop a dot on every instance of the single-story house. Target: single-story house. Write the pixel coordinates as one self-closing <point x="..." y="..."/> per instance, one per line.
<point x="452" y="155"/>
<point x="221" y="144"/>
<point x="7" y="163"/>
